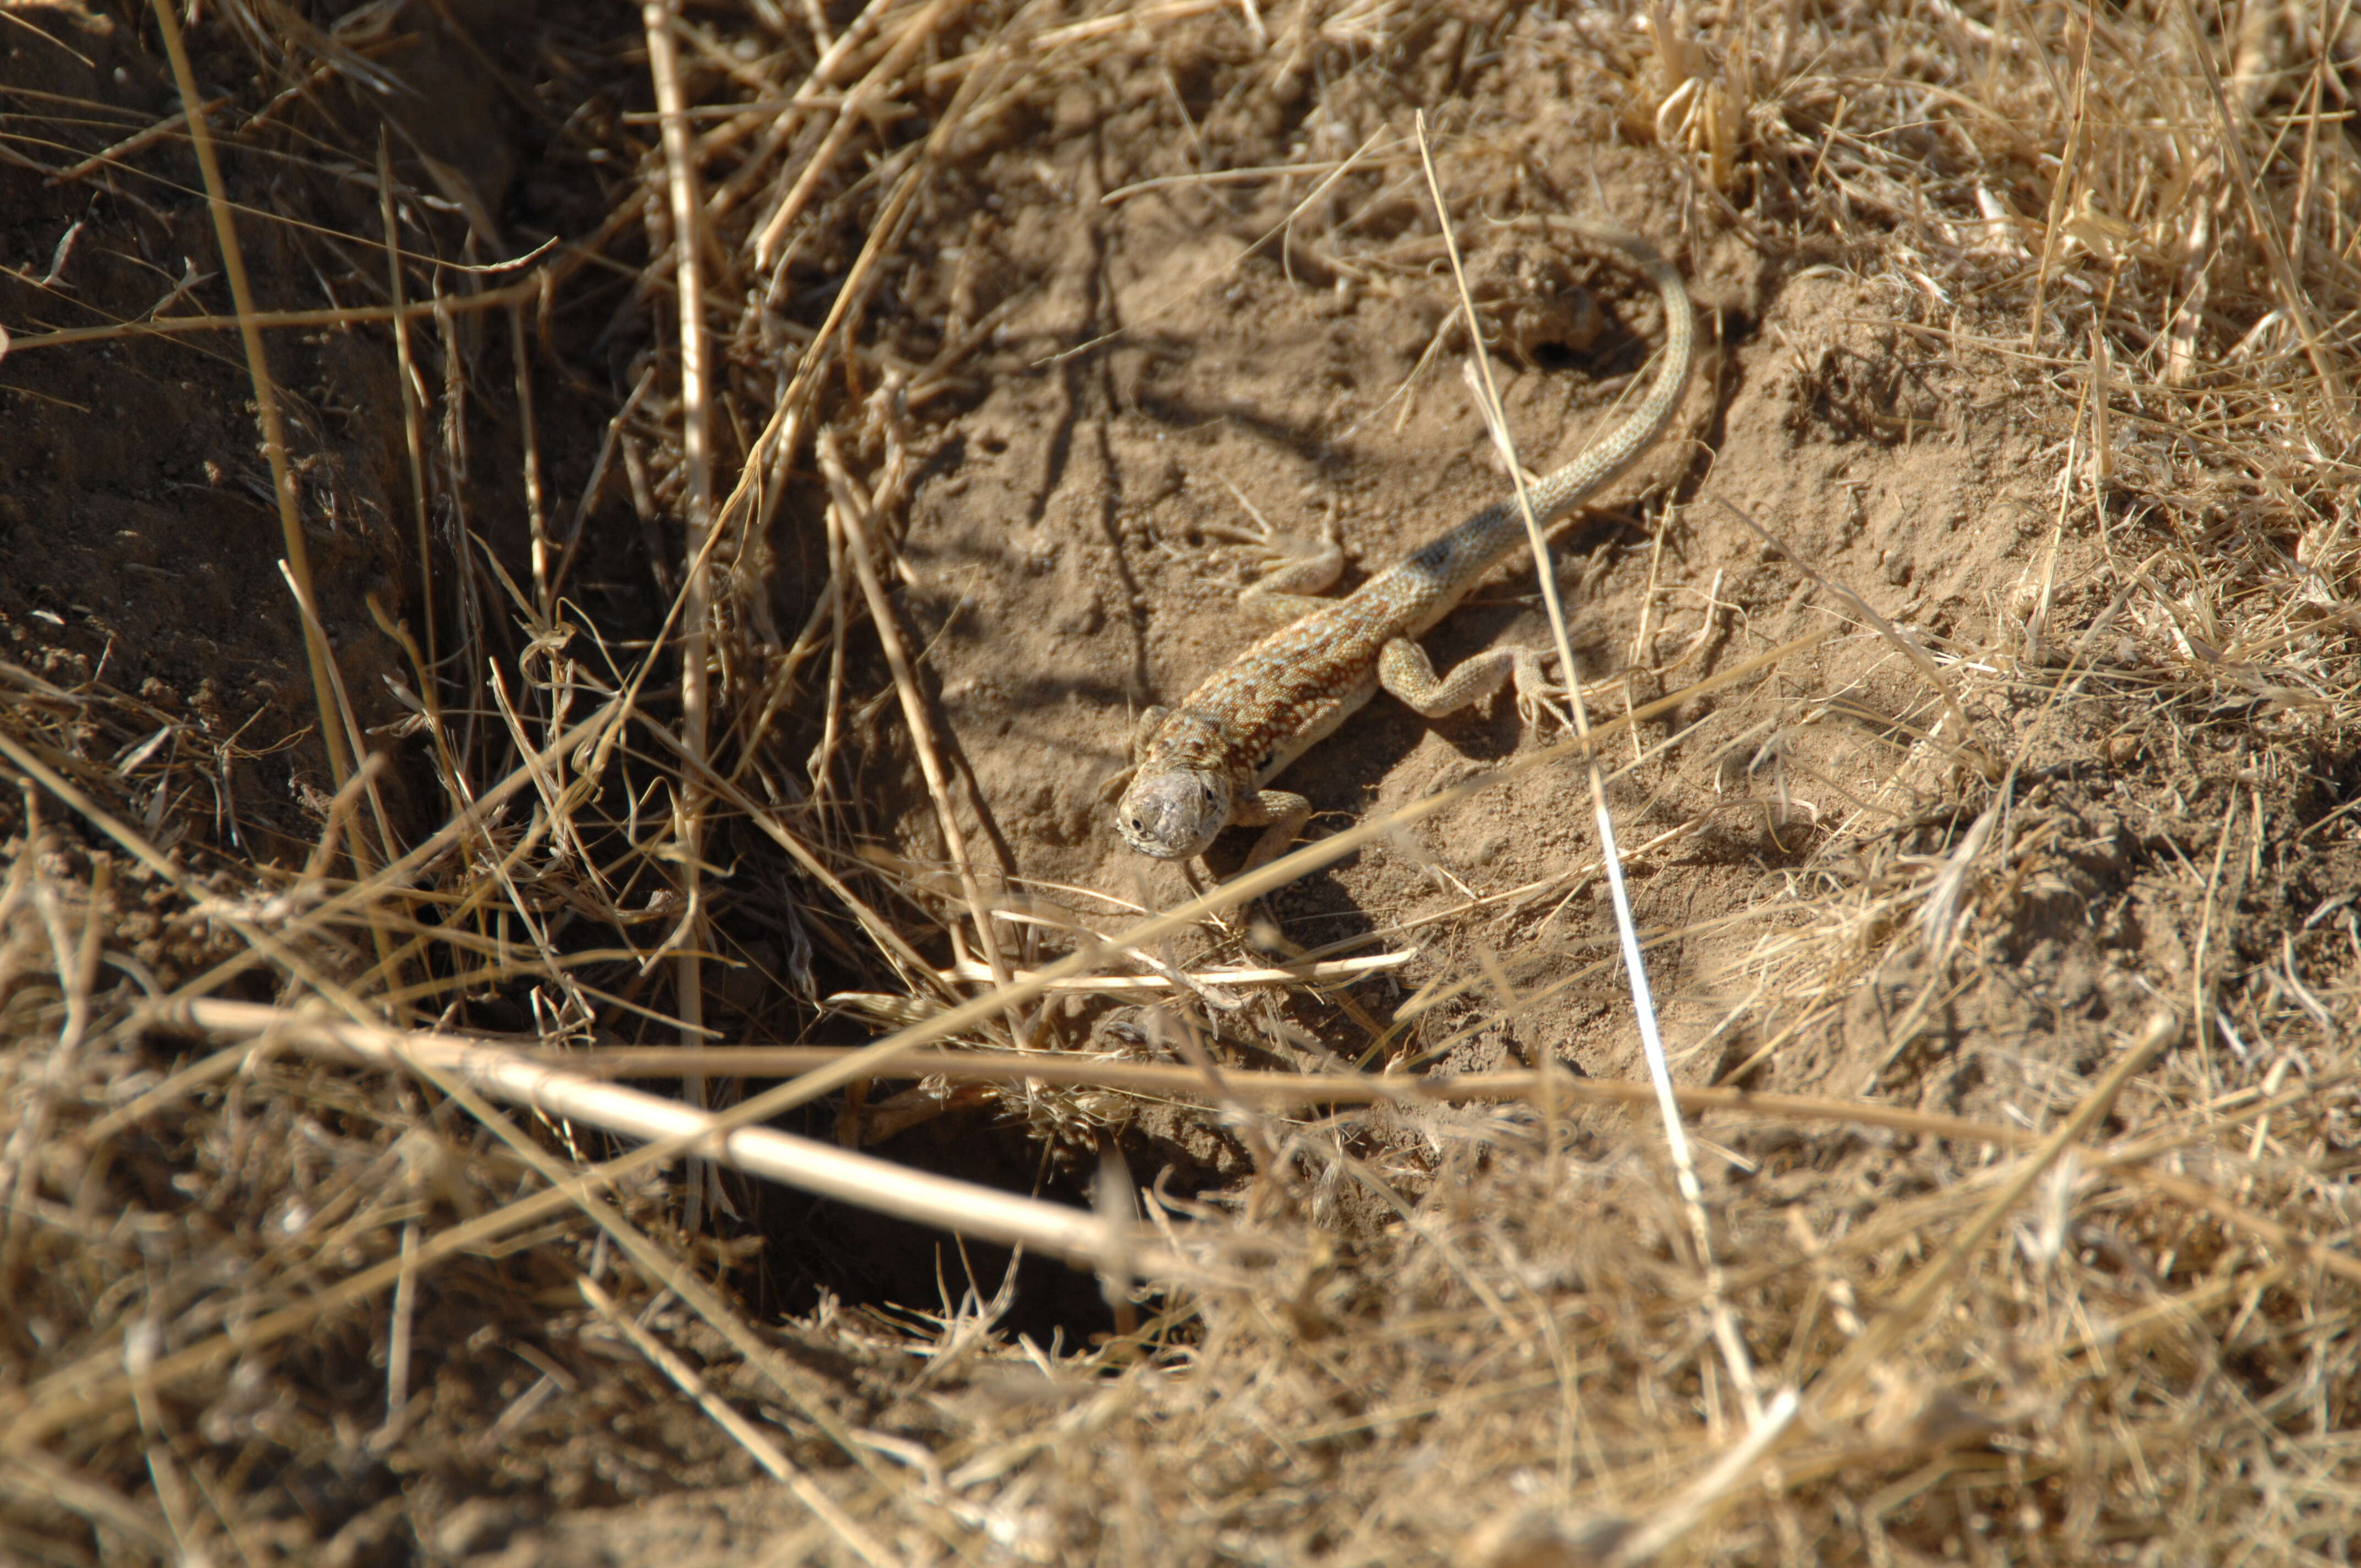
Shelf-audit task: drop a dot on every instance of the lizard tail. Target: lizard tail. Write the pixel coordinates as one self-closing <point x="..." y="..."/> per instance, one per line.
<point x="1613" y="453"/>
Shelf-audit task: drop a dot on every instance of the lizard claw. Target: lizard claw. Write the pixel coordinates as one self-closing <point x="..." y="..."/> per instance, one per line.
<point x="1284" y="569"/>
<point x="1537" y="693"/>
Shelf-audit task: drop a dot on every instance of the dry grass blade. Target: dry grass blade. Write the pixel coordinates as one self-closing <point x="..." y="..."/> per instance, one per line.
<point x="490" y="300"/>
<point x="688" y="937"/>
<point x="677" y="1279"/>
<point x="1884" y="1336"/>
<point x="1280" y="1091"/>
<point x="852" y="510"/>
<point x="1716" y="1490"/>
<point x="2293" y="296"/>
<point x="1964" y="745"/>
<point x="334" y="718"/>
<point x="867" y="1183"/>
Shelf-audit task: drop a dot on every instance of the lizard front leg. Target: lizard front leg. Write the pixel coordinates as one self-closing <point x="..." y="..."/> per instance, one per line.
<point x="1145" y="730"/>
<point x="1281" y="813"/>
<point x="1142" y="733"/>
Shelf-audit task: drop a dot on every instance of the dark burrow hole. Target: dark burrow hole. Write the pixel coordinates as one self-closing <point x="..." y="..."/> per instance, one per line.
<point x="815" y="1248"/>
<point x="1547" y="355"/>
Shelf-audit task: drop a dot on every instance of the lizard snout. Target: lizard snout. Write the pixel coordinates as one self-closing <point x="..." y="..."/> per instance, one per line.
<point x="1175" y="815"/>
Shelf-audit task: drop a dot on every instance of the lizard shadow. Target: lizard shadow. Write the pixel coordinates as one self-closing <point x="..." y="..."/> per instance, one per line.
<point x="965" y="618"/>
<point x="1180" y="414"/>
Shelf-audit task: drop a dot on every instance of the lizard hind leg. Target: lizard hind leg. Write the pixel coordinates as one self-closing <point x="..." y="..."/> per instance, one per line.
<point x="1404" y="669"/>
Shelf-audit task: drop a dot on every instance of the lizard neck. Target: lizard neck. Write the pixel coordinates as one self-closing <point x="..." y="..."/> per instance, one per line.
<point x="1190" y="738"/>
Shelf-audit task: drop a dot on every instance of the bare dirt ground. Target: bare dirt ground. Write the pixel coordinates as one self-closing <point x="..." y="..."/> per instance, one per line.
<point x="1990" y="836"/>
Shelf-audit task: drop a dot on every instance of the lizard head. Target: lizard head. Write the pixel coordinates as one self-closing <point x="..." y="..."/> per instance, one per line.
<point x="1175" y="814"/>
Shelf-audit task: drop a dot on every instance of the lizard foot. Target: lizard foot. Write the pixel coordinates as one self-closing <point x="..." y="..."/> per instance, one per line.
<point x="1285" y="572"/>
<point x="1537" y="693"/>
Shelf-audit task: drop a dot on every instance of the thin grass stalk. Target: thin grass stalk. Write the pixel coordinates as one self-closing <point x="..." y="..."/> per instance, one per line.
<point x="260" y="942"/>
<point x="862" y="1180"/>
<point x="266" y="404"/>
<point x="536" y="510"/>
<point x="353" y="315"/>
<point x="696" y="613"/>
<point x="741" y="1431"/>
<point x="414" y="435"/>
<point x="912" y="37"/>
<point x="1731" y="1344"/>
<point x="1883" y="1335"/>
<point x="2293" y="296"/>
<point x="669" y="1272"/>
<point x="849" y="505"/>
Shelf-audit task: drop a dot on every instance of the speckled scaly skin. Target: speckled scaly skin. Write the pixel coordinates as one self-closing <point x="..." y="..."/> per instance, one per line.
<point x="1204" y="764"/>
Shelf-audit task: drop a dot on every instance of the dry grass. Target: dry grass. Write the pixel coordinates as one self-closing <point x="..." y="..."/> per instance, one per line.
<point x="305" y="1296"/>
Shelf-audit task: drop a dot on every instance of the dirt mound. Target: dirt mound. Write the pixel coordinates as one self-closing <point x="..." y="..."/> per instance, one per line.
<point x="659" y="601"/>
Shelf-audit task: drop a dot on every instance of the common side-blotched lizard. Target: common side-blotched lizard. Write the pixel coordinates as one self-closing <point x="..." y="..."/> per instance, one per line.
<point x="1206" y="763"/>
